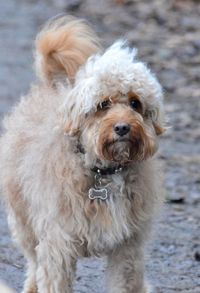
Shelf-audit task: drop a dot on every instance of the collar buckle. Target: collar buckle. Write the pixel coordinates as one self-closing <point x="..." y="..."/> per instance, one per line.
<point x="107" y="171"/>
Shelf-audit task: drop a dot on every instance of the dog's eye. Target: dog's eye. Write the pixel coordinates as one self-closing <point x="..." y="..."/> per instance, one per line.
<point x="103" y="105"/>
<point x="136" y="105"/>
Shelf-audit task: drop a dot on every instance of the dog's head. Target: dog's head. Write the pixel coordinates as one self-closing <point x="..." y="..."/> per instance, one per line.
<point x="115" y="107"/>
<point x="114" y="104"/>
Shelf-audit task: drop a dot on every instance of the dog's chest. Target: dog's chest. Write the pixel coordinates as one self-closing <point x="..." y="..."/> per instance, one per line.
<point x="109" y="220"/>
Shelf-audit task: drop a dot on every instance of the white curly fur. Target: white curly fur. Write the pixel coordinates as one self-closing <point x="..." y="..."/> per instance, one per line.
<point x="117" y="70"/>
<point x="45" y="179"/>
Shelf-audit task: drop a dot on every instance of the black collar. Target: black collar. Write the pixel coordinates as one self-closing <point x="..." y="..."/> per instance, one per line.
<point x="102" y="171"/>
<point x="108" y="170"/>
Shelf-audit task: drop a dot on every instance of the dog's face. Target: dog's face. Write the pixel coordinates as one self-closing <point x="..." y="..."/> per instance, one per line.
<point x="120" y="130"/>
<point x="117" y="113"/>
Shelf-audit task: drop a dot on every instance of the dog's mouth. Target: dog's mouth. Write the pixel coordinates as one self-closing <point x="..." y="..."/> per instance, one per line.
<point x="122" y="150"/>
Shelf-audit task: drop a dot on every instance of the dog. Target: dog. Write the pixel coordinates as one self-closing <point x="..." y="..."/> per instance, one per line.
<point x="79" y="171"/>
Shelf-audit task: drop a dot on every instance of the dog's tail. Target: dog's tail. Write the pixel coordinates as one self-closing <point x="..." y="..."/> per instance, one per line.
<point x="63" y="45"/>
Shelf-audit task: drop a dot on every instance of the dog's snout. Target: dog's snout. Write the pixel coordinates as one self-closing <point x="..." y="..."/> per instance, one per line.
<point x="121" y="128"/>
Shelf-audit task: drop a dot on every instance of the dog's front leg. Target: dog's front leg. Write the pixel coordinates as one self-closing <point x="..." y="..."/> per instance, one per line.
<point x="56" y="266"/>
<point x="125" y="270"/>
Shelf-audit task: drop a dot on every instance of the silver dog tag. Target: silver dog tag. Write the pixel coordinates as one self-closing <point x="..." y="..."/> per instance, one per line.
<point x="101" y="193"/>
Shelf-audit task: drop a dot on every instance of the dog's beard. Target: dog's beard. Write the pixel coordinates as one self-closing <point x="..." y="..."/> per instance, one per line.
<point x="121" y="151"/>
<point x="139" y="146"/>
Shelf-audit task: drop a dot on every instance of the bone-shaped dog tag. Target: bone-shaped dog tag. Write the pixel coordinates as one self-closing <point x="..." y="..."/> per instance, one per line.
<point x="101" y="193"/>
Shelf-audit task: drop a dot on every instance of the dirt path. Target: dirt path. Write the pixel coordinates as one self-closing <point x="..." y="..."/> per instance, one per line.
<point x="167" y="34"/>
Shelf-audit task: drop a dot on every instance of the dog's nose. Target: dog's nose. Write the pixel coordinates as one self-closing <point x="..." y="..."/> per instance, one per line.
<point x="121" y="128"/>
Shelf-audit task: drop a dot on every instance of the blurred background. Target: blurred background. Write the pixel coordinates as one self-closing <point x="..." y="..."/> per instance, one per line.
<point x="167" y="35"/>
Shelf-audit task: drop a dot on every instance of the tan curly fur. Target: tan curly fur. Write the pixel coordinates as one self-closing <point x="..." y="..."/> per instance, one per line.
<point x="63" y="45"/>
<point x="54" y="138"/>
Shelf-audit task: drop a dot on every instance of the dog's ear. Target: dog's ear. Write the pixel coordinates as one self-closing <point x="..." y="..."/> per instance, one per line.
<point x="74" y="125"/>
<point x="70" y="129"/>
<point x="62" y="47"/>
<point x="158" y="128"/>
<point x="73" y="116"/>
<point x="157" y="117"/>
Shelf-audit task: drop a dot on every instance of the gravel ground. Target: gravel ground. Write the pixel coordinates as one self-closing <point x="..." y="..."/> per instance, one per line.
<point x="167" y="34"/>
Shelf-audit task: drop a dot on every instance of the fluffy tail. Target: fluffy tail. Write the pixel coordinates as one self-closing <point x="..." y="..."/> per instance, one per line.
<point x="62" y="47"/>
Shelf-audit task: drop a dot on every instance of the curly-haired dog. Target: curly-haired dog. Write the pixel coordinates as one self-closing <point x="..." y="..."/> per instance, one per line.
<point x="78" y="169"/>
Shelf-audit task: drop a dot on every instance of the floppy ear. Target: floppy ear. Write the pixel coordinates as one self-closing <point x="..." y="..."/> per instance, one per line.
<point x="157" y="117"/>
<point x="73" y="114"/>
<point x="158" y="128"/>
<point x="62" y="47"/>
<point x="71" y="121"/>
<point x="80" y="101"/>
<point x="71" y="129"/>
